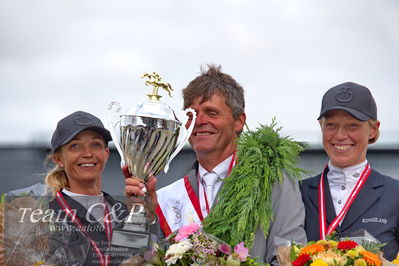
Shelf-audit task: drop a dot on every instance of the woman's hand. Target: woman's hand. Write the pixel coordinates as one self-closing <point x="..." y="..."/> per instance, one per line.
<point x="135" y="194"/>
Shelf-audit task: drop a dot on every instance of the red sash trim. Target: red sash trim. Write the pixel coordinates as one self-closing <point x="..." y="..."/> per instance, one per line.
<point x="194" y="201"/>
<point x="107" y="224"/>
<point x="104" y="260"/>
<point x="352" y="196"/>
<point x="193" y="198"/>
<point x="322" y="207"/>
<point x="162" y="221"/>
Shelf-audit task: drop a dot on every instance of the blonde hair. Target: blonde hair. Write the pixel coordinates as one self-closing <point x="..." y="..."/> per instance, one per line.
<point x="56" y="179"/>
<point x="372" y="123"/>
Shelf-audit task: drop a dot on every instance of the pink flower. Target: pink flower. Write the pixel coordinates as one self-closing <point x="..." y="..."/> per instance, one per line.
<point x="224" y="248"/>
<point x="186" y="231"/>
<point x="241" y="251"/>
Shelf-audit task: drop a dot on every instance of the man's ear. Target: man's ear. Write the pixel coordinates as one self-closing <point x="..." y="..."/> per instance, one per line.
<point x="240" y="122"/>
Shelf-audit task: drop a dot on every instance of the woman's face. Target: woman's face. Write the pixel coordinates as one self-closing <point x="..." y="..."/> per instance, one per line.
<point x="345" y="139"/>
<point x="83" y="158"/>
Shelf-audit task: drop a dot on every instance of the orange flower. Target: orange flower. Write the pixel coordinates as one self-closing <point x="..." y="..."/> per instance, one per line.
<point x="370" y="258"/>
<point x="312" y="249"/>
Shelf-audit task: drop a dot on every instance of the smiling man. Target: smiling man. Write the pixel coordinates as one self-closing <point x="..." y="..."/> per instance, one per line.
<point x="349" y="195"/>
<point x="219" y="103"/>
<point x="220" y="106"/>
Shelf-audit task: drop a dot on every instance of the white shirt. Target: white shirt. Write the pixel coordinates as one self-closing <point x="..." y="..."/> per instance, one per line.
<point x="221" y="170"/>
<point x="342" y="181"/>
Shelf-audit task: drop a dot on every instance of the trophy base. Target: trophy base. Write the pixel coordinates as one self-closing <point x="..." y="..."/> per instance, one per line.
<point x="126" y="244"/>
<point x="132" y="238"/>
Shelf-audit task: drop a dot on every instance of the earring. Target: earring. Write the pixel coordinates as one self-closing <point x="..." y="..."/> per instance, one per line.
<point x="61" y="165"/>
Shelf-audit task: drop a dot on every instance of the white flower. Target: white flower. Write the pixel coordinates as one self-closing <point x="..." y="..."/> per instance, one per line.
<point x="176" y="251"/>
<point x="179" y="248"/>
<point x="172" y="260"/>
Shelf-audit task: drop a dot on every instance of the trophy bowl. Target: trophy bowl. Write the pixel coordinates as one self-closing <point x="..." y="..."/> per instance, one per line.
<point x="146" y="138"/>
<point x="147" y="144"/>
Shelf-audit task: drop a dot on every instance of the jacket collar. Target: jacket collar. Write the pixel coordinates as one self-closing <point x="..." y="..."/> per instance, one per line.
<point x="370" y="193"/>
<point x="314" y="196"/>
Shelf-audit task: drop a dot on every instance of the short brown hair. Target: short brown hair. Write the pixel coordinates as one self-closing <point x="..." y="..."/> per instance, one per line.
<point x="213" y="81"/>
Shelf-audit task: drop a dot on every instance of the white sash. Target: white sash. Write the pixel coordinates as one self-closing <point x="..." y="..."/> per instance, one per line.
<point x="178" y="206"/>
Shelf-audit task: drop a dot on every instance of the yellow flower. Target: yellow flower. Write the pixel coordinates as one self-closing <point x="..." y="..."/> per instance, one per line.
<point x="331" y="258"/>
<point x="319" y="262"/>
<point x="327" y="244"/>
<point x="396" y="261"/>
<point x="352" y="254"/>
<point x="322" y="242"/>
<point x="332" y="243"/>
<point x="360" y="262"/>
<point x="359" y="248"/>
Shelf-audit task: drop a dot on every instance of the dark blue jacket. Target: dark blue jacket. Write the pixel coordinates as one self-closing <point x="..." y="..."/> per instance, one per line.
<point x="76" y="243"/>
<point x="375" y="209"/>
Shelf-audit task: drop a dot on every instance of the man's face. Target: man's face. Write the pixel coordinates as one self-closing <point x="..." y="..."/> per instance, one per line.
<point x="345" y="139"/>
<point x="215" y="130"/>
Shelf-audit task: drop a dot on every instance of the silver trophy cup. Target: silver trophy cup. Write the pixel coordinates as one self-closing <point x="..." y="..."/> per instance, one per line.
<point x="146" y="138"/>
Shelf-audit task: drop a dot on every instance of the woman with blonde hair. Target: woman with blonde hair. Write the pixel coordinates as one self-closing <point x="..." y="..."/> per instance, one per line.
<point x="349" y="195"/>
<point x="80" y="151"/>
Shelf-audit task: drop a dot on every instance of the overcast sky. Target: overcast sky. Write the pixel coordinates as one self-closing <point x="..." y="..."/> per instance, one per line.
<point x="57" y="57"/>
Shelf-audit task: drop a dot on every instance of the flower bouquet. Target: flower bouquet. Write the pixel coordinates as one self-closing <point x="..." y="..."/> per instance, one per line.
<point x="339" y="253"/>
<point x="333" y="253"/>
<point x="190" y="245"/>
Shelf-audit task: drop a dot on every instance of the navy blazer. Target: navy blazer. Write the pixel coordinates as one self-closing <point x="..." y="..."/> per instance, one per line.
<point x="375" y="209"/>
<point x="95" y="231"/>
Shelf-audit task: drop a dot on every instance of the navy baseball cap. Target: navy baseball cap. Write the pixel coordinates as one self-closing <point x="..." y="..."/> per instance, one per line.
<point x="352" y="98"/>
<point x="73" y="124"/>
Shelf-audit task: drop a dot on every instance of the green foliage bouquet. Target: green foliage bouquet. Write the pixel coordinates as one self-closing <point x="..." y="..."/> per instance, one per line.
<point x="244" y="202"/>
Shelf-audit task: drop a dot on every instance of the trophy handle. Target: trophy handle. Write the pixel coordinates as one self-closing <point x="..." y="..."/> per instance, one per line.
<point x="186" y="135"/>
<point x="114" y="121"/>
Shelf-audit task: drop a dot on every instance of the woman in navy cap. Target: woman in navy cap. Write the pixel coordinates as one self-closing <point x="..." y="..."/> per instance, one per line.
<point x="80" y="151"/>
<point x="349" y="194"/>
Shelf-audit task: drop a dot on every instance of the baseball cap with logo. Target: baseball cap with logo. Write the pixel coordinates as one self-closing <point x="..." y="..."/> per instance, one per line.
<point x="73" y="124"/>
<point x="352" y="98"/>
